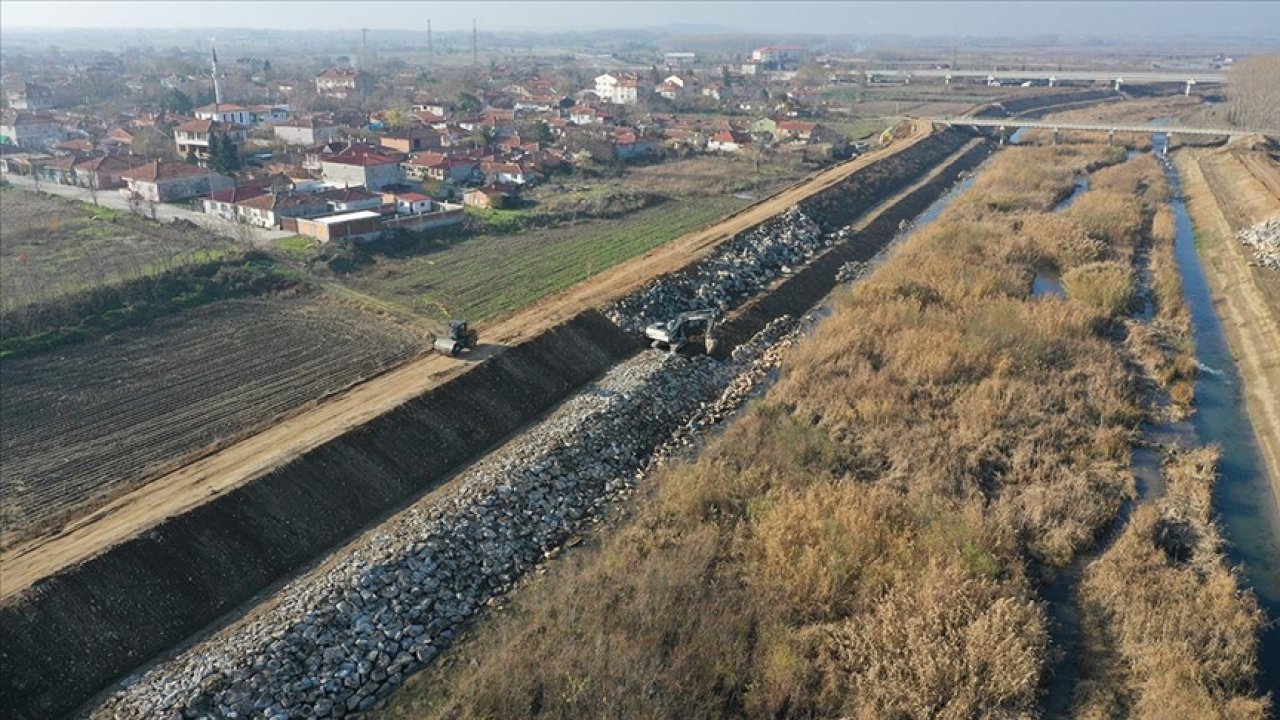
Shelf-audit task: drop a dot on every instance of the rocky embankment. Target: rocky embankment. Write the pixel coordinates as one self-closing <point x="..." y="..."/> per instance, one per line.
<point x="337" y="639"/>
<point x="1264" y="240"/>
<point x="736" y="270"/>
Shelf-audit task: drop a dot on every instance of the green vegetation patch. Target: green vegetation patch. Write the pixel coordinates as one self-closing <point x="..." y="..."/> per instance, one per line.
<point x="488" y="276"/>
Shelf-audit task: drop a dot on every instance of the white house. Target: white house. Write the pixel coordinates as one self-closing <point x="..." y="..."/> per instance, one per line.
<point x="225" y="113"/>
<point x="411" y="203"/>
<point x="623" y="90"/>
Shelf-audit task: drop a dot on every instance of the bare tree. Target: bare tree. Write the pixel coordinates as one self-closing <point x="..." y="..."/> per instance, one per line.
<point x="92" y="186"/>
<point x="1255" y="92"/>
<point x="135" y="202"/>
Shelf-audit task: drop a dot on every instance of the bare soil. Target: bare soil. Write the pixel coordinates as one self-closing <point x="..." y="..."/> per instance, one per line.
<point x="195" y="483"/>
<point x="52" y="246"/>
<point x="93" y="420"/>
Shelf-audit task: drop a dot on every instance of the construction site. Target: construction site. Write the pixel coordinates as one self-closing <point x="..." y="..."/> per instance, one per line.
<point x="312" y="560"/>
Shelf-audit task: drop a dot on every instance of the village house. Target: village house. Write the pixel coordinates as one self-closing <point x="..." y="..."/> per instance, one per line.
<point x="222" y="204"/>
<point x="587" y="115"/>
<point x="439" y="167"/>
<point x="728" y="141"/>
<point x="343" y="84"/>
<point x="160" y="181"/>
<point x="305" y="131"/>
<point x="342" y="200"/>
<point x="58" y="170"/>
<point x="410" y="140"/>
<point x="30" y="96"/>
<point x="441" y="108"/>
<point x="225" y="113"/>
<point x="353" y="227"/>
<point x="106" y="172"/>
<point x="371" y="170"/>
<point x="31" y="130"/>
<point x="493" y="196"/>
<point x="508" y="173"/>
<point x="192" y="138"/>
<point x="276" y="210"/>
<point x="408" y="203"/>
<point x="618" y="89"/>
<point x="629" y="146"/>
<point x="436" y="215"/>
<point x="779" y="56"/>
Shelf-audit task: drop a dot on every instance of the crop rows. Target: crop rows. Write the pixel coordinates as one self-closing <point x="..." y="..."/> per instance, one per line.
<point x="99" y="418"/>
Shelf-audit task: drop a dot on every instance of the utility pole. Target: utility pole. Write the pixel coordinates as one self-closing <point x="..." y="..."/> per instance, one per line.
<point x="475" y="52"/>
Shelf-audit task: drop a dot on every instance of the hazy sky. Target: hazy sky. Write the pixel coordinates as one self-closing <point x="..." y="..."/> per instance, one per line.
<point x="1256" y="18"/>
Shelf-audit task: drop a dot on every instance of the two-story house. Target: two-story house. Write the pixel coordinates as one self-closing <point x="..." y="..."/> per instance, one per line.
<point x="371" y="170"/>
<point x="30" y="96"/>
<point x="225" y="113"/>
<point x="343" y="83"/>
<point x="30" y="130"/>
<point x="305" y="131"/>
<point x="193" y="137"/>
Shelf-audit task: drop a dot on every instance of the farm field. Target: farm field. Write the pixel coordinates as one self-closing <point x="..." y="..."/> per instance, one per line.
<point x="53" y="246"/>
<point x="494" y="275"/>
<point x="91" y="420"/>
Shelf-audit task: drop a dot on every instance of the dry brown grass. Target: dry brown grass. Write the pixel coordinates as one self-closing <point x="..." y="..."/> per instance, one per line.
<point x="1106" y="286"/>
<point x="863" y="541"/>
<point x="1169" y="631"/>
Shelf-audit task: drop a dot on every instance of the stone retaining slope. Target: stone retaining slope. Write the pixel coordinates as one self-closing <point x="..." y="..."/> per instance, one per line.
<point x="70" y="635"/>
<point x="800" y="291"/>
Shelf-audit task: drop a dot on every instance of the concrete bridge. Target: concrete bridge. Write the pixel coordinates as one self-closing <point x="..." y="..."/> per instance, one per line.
<point x="1169" y="131"/>
<point x="1052" y="77"/>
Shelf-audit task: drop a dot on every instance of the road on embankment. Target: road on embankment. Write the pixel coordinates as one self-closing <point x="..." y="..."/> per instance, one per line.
<point x="230" y="467"/>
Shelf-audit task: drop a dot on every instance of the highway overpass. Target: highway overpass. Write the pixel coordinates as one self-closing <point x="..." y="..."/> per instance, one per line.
<point x="1012" y="123"/>
<point x="1200" y="77"/>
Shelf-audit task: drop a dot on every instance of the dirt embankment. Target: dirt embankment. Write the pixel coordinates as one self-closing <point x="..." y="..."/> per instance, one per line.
<point x="1224" y="194"/>
<point x="94" y="616"/>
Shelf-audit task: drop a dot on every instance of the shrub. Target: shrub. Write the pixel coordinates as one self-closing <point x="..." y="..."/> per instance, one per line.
<point x="1105" y="286"/>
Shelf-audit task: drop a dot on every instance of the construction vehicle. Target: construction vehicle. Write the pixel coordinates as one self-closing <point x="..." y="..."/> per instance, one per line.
<point x="689" y="331"/>
<point x="460" y="338"/>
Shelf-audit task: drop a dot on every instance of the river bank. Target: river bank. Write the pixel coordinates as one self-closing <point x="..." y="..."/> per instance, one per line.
<point x="1247" y="303"/>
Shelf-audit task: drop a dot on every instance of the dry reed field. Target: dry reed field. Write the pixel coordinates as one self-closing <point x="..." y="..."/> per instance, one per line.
<point x="870" y="538"/>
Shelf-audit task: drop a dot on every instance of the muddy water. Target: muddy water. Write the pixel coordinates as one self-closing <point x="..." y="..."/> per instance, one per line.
<point x="1243" y="499"/>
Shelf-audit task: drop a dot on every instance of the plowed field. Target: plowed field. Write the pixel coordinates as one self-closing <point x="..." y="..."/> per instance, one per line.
<point x="90" y="421"/>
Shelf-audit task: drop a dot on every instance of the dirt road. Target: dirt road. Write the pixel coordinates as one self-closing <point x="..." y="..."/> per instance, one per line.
<point x="213" y="475"/>
<point x="1247" y="298"/>
<point x="259" y="237"/>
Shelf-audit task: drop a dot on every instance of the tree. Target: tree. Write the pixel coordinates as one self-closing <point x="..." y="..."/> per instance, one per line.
<point x="398" y="118"/>
<point x="92" y="185"/>
<point x="541" y="132"/>
<point x="176" y="101"/>
<point x="482" y="135"/>
<point x="1255" y="92"/>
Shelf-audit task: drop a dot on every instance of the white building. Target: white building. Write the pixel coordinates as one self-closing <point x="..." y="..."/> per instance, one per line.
<point x="622" y="90"/>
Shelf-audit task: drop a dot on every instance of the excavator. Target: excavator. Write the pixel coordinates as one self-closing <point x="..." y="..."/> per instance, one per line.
<point x="688" y="332"/>
<point x="460" y="338"/>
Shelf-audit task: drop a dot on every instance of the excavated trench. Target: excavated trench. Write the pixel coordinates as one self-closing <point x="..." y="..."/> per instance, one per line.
<point x="70" y="636"/>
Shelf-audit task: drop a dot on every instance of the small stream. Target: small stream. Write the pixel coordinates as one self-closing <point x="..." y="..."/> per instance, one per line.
<point x="1244" y="501"/>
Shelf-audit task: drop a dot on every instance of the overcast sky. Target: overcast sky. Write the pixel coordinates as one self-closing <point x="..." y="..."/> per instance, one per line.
<point x="1256" y="18"/>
